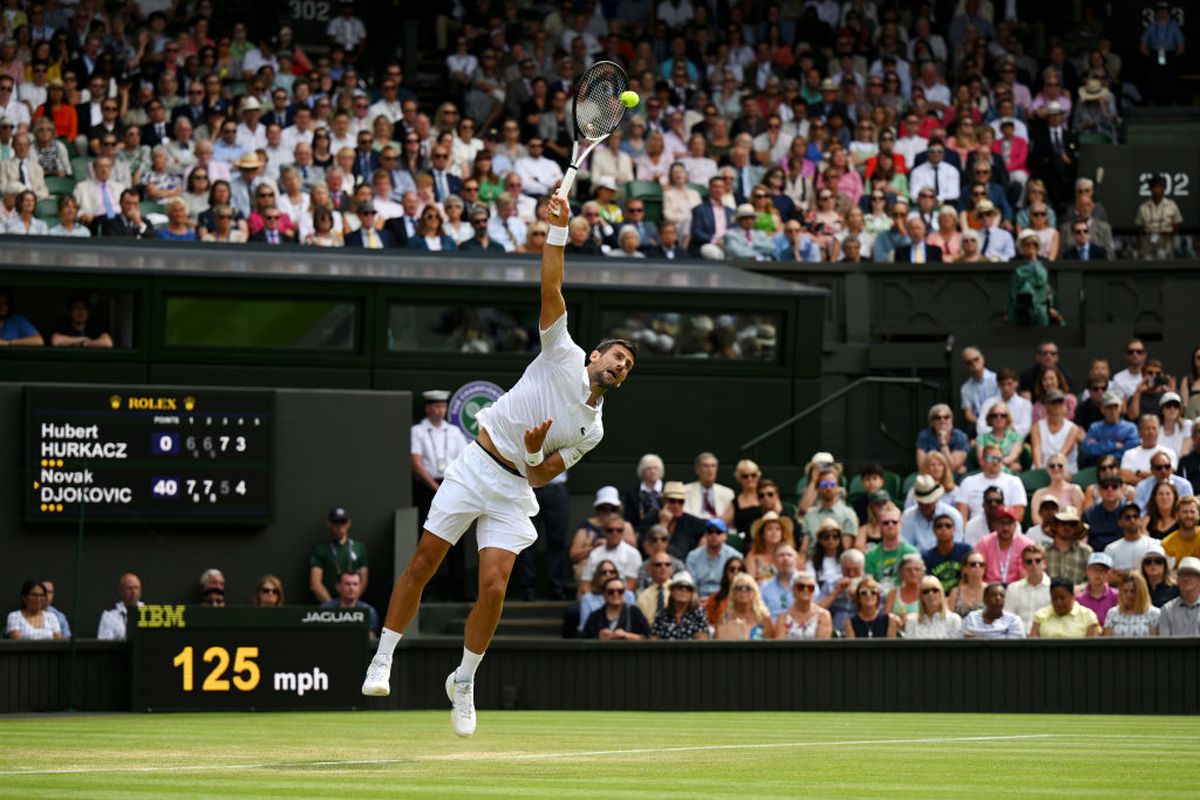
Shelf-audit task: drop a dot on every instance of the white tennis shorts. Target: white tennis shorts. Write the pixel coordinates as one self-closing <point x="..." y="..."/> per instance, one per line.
<point x="477" y="488"/>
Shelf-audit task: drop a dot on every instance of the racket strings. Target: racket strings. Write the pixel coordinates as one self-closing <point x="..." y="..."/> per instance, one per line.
<point x="598" y="107"/>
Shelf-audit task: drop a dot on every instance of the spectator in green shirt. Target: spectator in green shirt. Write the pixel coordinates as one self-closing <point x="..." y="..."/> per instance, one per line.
<point x="340" y="554"/>
<point x="883" y="560"/>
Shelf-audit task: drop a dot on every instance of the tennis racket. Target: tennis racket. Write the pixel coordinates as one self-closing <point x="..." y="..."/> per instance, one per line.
<point x="596" y="112"/>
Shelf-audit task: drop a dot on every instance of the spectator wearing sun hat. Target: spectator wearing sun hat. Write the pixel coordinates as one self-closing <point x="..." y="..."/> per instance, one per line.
<point x="744" y="240"/>
<point x="916" y="524"/>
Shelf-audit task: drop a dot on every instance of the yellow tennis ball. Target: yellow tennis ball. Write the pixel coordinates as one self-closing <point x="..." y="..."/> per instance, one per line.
<point x="629" y="98"/>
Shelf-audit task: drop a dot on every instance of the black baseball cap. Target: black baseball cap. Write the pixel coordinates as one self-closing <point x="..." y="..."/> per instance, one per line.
<point x="339" y="514"/>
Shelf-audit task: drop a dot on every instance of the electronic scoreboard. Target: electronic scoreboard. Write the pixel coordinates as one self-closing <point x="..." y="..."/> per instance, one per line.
<point x="155" y="454"/>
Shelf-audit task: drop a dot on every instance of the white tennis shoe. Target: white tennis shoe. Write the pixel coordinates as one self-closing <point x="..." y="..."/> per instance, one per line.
<point x="462" y="705"/>
<point x="378" y="680"/>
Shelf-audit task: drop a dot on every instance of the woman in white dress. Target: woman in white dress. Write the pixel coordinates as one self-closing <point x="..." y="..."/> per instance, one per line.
<point x="1134" y="614"/>
<point x="1176" y="432"/>
<point x="804" y="619"/>
<point x="1056" y="435"/>
<point x="31" y="621"/>
<point x="933" y="619"/>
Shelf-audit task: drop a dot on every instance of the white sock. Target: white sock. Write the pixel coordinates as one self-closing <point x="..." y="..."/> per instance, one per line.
<point x="470" y="663"/>
<point x="387" y="644"/>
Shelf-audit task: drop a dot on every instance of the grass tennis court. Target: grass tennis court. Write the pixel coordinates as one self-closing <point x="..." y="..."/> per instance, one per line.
<point x="598" y="754"/>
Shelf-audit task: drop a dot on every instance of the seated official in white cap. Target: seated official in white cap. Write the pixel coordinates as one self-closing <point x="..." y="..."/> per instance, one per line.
<point x="435" y="443"/>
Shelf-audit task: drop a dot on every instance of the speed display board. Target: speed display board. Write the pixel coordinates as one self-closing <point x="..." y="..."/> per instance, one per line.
<point x="148" y="453"/>
<point x="193" y="658"/>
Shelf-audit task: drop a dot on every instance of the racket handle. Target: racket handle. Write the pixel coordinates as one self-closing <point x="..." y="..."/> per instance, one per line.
<point x="567" y="182"/>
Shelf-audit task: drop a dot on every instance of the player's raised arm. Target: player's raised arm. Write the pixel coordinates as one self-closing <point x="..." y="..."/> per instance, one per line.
<point x="553" y="304"/>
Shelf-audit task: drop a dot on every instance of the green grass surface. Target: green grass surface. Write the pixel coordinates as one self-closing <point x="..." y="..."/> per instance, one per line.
<point x="598" y="755"/>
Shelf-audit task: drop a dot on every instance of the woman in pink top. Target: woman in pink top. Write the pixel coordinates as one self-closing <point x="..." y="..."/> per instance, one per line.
<point x="947" y="236"/>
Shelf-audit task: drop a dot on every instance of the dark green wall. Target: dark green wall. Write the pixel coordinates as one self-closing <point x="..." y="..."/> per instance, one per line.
<point x="332" y="447"/>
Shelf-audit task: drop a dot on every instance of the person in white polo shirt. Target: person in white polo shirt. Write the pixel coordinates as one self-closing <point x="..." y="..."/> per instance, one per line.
<point x="542" y="426"/>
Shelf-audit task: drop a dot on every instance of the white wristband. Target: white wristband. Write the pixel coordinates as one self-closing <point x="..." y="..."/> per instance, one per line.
<point x="557" y="235"/>
<point x="533" y="459"/>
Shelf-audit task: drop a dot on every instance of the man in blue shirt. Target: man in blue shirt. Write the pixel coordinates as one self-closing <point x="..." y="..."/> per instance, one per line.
<point x="707" y="562"/>
<point x="1160" y="466"/>
<point x="979" y="386"/>
<point x="1162" y="43"/>
<point x="777" y="592"/>
<point x="349" y="589"/>
<point x="917" y="523"/>
<point x="1111" y="435"/>
<point x="14" y="328"/>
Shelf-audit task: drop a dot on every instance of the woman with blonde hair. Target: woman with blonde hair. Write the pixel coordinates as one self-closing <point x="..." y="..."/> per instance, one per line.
<point x="768" y="532"/>
<point x="968" y="594"/>
<point x="745" y="508"/>
<point x="804" y="619"/>
<point x="1039" y="223"/>
<point x="1003" y="435"/>
<point x="655" y="163"/>
<point x="268" y="592"/>
<point x="936" y="466"/>
<point x="1060" y="488"/>
<point x="1134" y="614"/>
<point x="870" y="621"/>
<point x="679" y="199"/>
<point x="746" y="616"/>
<point x="933" y="618"/>
<point x="1035" y="192"/>
<point x="905" y="597"/>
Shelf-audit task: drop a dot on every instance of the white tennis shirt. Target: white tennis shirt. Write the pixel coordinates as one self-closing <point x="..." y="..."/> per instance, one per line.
<point x="554" y="386"/>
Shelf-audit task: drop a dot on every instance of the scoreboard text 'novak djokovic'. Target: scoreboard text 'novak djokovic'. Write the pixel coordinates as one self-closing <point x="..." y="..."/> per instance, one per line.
<point x="156" y="454"/>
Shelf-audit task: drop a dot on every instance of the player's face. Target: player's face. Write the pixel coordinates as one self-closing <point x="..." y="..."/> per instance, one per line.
<point x="609" y="369"/>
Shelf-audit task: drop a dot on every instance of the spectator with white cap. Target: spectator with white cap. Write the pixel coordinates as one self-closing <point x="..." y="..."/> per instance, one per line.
<point x="1096" y="593"/>
<point x="917" y="523"/>
<point x="1181" y="616"/>
<point x="745" y="240"/>
<point x="613" y="547"/>
<point x="590" y="533"/>
<point x="435" y="443"/>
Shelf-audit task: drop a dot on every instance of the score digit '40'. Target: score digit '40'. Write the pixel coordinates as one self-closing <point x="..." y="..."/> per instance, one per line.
<point x="196" y="488"/>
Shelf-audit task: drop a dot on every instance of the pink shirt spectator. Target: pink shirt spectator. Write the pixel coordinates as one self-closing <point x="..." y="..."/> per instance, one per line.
<point x="1016" y="155"/>
<point x="951" y="247"/>
<point x="1100" y="605"/>
<point x="1003" y="566"/>
<point x="718" y="222"/>
<point x="256" y="223"/>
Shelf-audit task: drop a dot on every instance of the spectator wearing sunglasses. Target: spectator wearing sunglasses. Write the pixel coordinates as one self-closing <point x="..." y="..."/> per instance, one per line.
<point x="971" y="492"/>
<point x="1126" y="553"/>
<point x="1032" y="593"/>
<point x="1159" y="581"/>
<point x="933" y="618"/>
<point x="616" y="619"/>
<point x="829" y="505"/>
<point x="616" y="550"/>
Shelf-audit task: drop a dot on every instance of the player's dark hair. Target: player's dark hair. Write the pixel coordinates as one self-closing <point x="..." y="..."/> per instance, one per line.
<point x="606" y="344"/>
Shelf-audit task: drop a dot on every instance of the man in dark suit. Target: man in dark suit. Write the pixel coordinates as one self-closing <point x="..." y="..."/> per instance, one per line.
<point x="129" y="223"/>
<point x="667" y="246"/>
<point x="445" y="183"/>
<point x="367" y="237"/>
<point x="404" y="227"/>
<point x="281" y="110"/>
<point x="635" y="215"/>
<point x="518" y="91"/>
<point x="366" y="160"/>
<point x="194" y="109"/>
<point x="1053" y="154"/>
<point x="1081" y="248"/>
<point x="270" y="233"/>
<point x="916" y="251"/>
<point x="89" y="58"/>
<point x="156" y="131"/>
<point x="711" y="219"/>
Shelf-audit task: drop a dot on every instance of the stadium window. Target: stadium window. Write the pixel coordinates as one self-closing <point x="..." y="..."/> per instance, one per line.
<point x="704" y="335"/>
<point x="464" y="328"/>
<point x="298" y="323"/>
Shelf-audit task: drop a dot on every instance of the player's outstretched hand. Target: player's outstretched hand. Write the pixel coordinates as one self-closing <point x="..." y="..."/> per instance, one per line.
<point x="559" y="210"/>
<point x="536" y="437"/>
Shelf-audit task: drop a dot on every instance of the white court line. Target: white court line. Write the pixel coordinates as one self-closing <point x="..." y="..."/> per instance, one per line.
<point x="528" y="756"/>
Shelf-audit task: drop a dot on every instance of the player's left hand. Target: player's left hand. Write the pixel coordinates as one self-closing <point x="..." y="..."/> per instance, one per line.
<point x="558" y="210"/>
<point x="536" y="437"/>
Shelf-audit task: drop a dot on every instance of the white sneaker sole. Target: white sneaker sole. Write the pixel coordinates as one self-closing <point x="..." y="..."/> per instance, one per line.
<point x="450" y="697"/>
<point x="377" y="689"/>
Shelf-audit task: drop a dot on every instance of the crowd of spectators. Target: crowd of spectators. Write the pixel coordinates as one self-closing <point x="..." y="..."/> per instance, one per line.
<point x="815" y="131"/>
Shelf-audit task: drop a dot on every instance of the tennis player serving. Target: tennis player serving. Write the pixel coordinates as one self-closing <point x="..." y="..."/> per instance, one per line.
<point x="540" y="427"/>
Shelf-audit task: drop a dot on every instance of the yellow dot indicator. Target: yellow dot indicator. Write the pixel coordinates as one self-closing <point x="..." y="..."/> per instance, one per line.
<point x="59" y="463"/>
<point x="37" y="484"/>
<point x="58" y="507"/>
<point x="44" y="464"/>
<point x="43" y="506"/>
